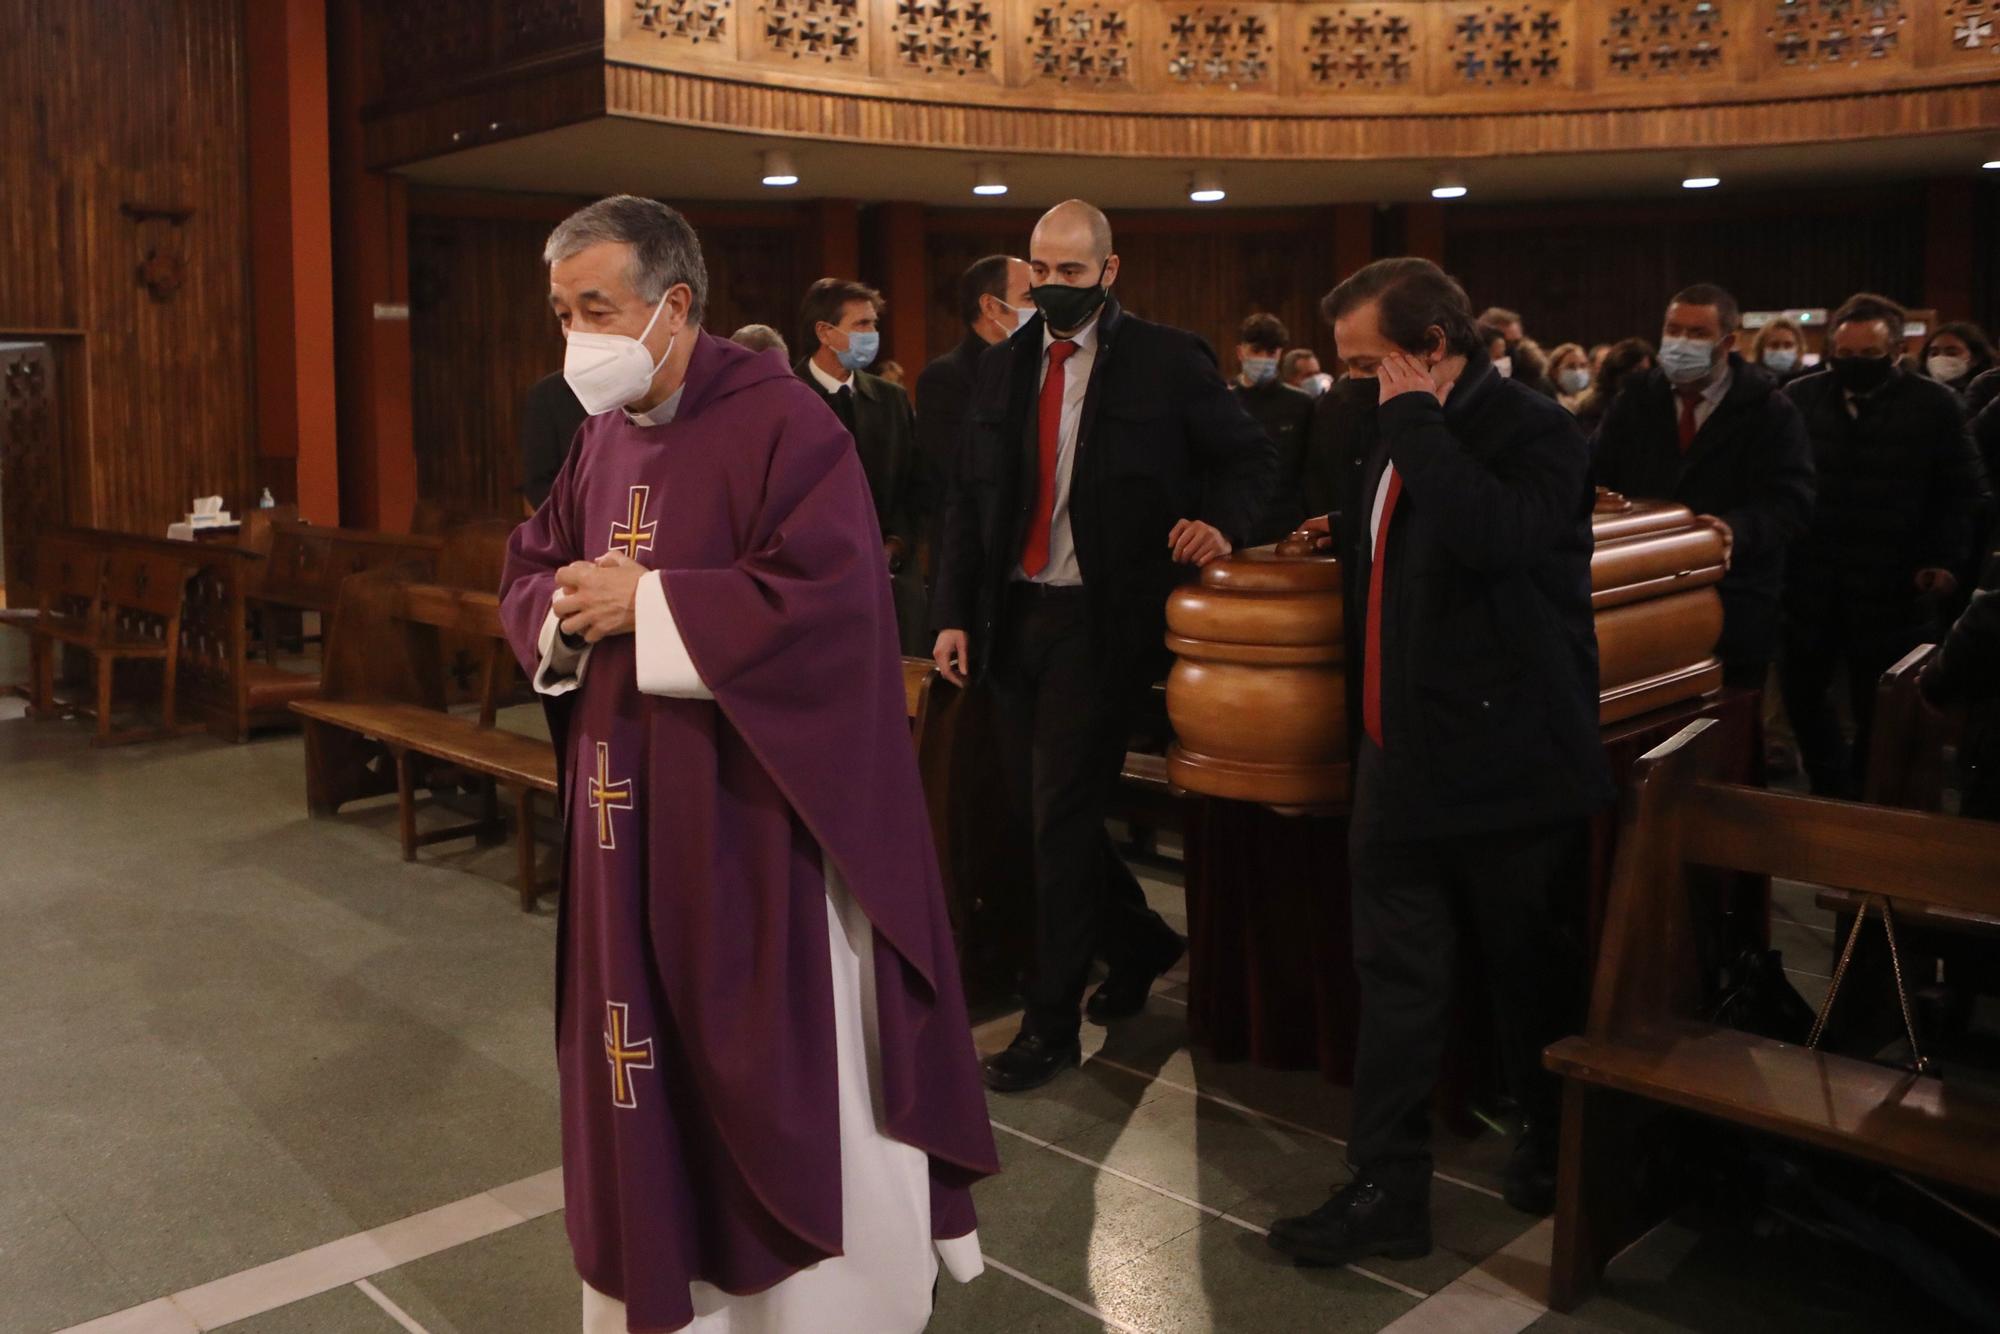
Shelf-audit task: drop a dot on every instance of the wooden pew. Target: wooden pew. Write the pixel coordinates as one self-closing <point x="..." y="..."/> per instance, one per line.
<point x="69" y="576"/>
<point x="381" y="723"/>
<point x="307" y="563"/>
<point x="1646" y="1042"/>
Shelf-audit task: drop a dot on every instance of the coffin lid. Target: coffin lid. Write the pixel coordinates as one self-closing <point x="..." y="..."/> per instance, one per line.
<point x="1273" y="569"/>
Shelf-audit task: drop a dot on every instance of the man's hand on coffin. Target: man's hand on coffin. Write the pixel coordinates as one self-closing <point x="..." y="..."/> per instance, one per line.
<point x="1197" y="543"/>
<point x="1321" y="528"/>
<point x="596" y="597"/>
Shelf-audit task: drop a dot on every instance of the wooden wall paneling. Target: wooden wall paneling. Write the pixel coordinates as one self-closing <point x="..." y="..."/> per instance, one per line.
<point x="1601" y="273"/>
<point x="125" y="128"/>
<point x="481" y="333"/>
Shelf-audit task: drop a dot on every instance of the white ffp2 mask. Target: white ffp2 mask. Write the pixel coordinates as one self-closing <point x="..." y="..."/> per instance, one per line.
<point x="607" y="371"/>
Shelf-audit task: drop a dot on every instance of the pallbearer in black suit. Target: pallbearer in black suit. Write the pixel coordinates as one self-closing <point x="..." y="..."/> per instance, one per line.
<point x="1102" y="459"/>
<point x="1285" y="414"/>
<point x="993" y="302"/>
<point x="839" y="324"/>
<point x="1479" y="756"/>
<point x="1710" y="430"/>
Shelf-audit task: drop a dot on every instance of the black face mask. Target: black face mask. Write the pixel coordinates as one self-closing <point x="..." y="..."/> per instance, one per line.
<point x="1066" y="308"/>
<point x="1859" y="375"/>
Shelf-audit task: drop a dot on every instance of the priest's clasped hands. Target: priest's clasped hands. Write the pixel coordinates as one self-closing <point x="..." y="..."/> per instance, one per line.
<point x="596" y="597"/>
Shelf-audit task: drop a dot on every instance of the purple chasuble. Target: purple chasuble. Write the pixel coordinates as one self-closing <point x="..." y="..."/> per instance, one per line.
<point x="694" y="1013"/>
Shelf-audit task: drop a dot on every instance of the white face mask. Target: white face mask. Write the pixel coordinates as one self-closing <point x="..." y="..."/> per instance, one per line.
<point x="1504" y="365"/>
<point x="1945" y="368"/>
<point x="1016" y="317"/>
<point x="1573" y="379"/>
<point x="608" y="371"/>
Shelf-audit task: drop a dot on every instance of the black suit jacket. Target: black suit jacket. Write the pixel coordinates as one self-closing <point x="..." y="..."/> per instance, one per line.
<point x="1750" y="465"/>
<point x="1285" y="414"/>
<point x="1489" y="650"/>
<point x="1161" y="439"/>
<point x="885" y="435"/>
<point x="944" y="390"/>
<point x="550" y="416"/>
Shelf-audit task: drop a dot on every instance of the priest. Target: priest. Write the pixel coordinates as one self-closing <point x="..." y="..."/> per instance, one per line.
<point x="771" y="1117"/>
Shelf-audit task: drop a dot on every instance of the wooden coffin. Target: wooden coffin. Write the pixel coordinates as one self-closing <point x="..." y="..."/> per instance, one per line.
<point x="1257" y="695"/>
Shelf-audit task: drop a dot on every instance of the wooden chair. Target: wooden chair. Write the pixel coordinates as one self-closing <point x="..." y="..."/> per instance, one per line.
<point x="1646" y="1042"/>
<point x="116" y="603"/>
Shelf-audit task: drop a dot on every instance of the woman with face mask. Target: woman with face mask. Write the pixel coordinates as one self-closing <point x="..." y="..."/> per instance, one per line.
<point x="1780" y="348"/>
<point x="1569" y="369"/>
<point x="1955" y="355"/>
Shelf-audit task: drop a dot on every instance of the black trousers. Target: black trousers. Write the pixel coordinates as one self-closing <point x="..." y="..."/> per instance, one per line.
<point x="1066" y="713"/>
<point x="1812" y="659"/>
<point x="1411" y="898"/>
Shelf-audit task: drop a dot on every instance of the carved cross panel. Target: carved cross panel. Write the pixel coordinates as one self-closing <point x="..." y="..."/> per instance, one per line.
<point x="1666" y="39"/>
<point x="1220" y="47"/>
<point x="1363" y="47"/>
<point x="1507" y="46"/>
<point x="1080" y="44"/>
<point x="1834" y="34"/>
<point x="703" y="23"/>
<point x="948" y="38"/>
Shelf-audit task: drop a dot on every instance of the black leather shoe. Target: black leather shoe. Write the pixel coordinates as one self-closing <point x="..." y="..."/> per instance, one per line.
<point x="1030" y="1063"/>
<point x="1530" y="1183"/>
<point x="1362" y="1219"/>
<point x="1123" y="994"/>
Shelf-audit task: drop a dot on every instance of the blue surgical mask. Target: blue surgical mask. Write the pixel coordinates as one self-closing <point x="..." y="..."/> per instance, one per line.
<point x="1686" y="360"/>
<point x="1573" y="379"/>
<point x="862" y="345"/>
<point x="1260" y="370"/>
<point x="1781" y="359"/>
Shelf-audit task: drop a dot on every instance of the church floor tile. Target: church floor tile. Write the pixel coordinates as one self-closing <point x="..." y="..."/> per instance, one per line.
<point x="293" y="1037"/>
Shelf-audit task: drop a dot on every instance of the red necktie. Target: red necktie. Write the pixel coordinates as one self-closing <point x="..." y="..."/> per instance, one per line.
<point x="1035" y="551"/>
<point x="1371" y="653"/>
<point x="1688" y="399"/>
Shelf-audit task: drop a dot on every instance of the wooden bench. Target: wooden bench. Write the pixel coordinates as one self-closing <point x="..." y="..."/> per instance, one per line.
<point x="381" y="721"/>
<point x="1646" y="1043"/>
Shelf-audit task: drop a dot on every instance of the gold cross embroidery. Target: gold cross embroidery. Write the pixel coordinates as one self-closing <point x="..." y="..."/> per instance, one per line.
<point x="636" y="533"/>
<point x="607" y="796"/>
<point x="624" y="1054"/>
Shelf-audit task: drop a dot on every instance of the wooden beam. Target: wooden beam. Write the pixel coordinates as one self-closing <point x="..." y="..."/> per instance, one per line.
<point x="905" y="282"/>
<point x="291" y="256"/>
<point x="378" y="463"/>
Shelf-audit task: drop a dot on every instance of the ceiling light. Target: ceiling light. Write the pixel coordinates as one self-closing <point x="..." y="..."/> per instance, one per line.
<point x="1205" y="187"/>
<point x="1449" y="188"/>
<point x="1701" y="182"/>
<point x="779" y="168"/>
<point x="989" y="181"/>
<point x="1992" y="164"/>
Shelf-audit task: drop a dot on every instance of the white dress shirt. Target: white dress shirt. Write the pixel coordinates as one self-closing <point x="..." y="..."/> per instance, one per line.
<point x="1062" y="567"/>
<point x="827" y="382"/>
<point x="1711" y="397"/>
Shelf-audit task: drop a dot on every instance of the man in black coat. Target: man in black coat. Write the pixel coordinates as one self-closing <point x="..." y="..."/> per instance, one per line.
<point x="550" y="416"/>
<point x="1713" y="433"/>
<point x="1285" y="414"/>
<point x="1479" y="761"/>
<point x="839" y="325"/>
<point x="1899" y="484"/>
<point x="993" y="302"/>
<point x="1965" y="674"/>
<point x="1103" y="457"/>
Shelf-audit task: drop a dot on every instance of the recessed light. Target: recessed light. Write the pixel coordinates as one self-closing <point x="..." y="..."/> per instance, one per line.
<point x="989" y="181"/>
<point x="1993" y="165"/>
<point x="1701" y="182"/>
<point x="1448" y="192"/>
<point x="779" y="169"/>
<point x="1205" y="187"/>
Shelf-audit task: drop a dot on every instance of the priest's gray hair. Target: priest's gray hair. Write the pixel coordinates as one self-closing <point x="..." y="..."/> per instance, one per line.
<point x="665" y="250"/>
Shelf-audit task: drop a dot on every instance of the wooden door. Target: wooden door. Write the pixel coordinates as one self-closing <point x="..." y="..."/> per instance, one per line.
<point x="31" y="491"/>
